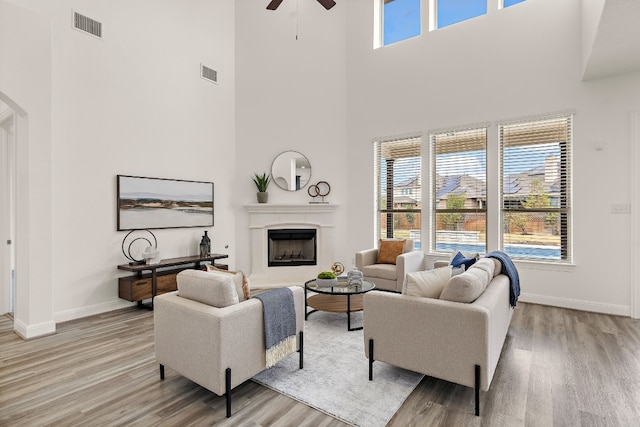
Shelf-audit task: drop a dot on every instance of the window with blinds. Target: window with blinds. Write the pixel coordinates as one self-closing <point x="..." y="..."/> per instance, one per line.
<point x="536" y="188"/>
<point x="459" y="179"/>
<point x="398" y="165"/>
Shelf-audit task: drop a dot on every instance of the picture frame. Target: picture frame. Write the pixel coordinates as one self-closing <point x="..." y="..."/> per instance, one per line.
<point x="157" y="203"/>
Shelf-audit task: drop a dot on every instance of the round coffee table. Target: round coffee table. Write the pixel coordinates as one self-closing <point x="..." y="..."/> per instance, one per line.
<point x="333" y="299"/>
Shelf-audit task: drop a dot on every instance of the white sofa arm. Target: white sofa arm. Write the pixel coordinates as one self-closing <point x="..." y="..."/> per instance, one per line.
<point x="409" y="262"/>
<point x="439" y="338"/>
<point x="366" y="257"/>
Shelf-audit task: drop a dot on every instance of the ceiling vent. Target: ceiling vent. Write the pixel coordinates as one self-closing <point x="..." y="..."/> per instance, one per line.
<point x="208" y="74"/>
<point x="87" y="25"/>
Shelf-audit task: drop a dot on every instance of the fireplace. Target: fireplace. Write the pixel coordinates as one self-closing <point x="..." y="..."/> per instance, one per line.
<point x="263" y="217"/>
<point x="291" y="247"/>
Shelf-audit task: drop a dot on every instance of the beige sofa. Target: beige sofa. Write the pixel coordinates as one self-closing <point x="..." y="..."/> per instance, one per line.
<point x="389" y="277"/>
<point x="454" y="341"/>
<point x="216" y="347"/>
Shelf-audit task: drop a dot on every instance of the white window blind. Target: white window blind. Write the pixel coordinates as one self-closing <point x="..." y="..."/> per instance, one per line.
<point x="536" y="188"/>
<point x="459" y="179"/>
<point x="398" y="187"/>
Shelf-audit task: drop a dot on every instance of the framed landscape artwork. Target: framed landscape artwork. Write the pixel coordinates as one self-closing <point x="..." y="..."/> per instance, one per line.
<point x="163" y="203"/>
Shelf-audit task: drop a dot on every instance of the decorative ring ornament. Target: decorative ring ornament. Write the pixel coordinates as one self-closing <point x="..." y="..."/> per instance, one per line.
<point x="322" y="188"/>
<point x="337" y="268"/>
<point x="133" y="239"/>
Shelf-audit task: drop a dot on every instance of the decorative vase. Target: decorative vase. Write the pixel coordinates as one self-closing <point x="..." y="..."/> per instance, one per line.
<point x="205" y="245"/>
<point x="263" y="196"/>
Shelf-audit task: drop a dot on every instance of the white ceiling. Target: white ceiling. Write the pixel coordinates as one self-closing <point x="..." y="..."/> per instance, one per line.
<point x="616" y="48"/>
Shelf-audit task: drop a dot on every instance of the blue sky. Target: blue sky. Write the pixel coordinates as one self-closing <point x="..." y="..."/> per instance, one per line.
<point x="402" y="17"/>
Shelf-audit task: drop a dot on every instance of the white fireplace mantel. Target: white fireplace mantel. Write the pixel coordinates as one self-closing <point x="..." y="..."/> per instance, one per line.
<point x="266" y="208"/>
<point x="266" y="216"/>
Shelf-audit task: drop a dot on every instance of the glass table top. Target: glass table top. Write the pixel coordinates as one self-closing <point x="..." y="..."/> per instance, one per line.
<point x="342" y="287"/>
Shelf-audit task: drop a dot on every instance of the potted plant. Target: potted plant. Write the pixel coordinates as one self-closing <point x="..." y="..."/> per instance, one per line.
<point x="326" y="279"/>
<point x="262" y="183"/>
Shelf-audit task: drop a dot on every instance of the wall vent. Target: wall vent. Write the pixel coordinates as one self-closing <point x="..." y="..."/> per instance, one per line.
<point x="208" y="73"/>
<point x="87" y="25"/>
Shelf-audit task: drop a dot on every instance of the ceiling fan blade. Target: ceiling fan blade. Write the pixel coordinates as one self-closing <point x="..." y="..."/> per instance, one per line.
<point x="274" y="4"/>
<point x="328" y="4"/>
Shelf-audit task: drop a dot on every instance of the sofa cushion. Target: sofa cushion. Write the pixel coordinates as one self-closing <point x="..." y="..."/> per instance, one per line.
<point x="239" y="279"/>
<point x="215" y="289"/>
<point x="487" y="265"/>
<point x="428" y="283"/>
<point x="388" y="251"/>
<point x="466" y="287"/>
<point x="497" y="266"/>
<point x="382" y="271"/>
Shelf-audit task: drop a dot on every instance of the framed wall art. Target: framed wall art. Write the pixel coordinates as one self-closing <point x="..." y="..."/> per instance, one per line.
<point x="150" y="203"/>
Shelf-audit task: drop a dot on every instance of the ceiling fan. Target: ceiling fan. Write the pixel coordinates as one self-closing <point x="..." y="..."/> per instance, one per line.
<point x="328" y="4"/>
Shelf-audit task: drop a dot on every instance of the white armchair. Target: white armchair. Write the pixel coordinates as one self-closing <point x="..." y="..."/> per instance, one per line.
<point x="218" y="347"/>
<point x="387" y="276"/>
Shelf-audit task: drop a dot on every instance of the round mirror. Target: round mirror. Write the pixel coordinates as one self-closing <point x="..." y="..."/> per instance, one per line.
<point x="291" y="171"/>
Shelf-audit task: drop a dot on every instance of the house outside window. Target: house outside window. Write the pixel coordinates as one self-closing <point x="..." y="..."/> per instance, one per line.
<point x="398" y="165"/>
<point x="459" y="190"/>
<point x="536" y="188"/>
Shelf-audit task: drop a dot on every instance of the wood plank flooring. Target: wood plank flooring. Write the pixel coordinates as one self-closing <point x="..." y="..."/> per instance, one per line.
<point x="559" y="367"/>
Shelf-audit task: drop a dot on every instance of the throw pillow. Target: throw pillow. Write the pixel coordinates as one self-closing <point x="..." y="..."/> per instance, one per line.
<point x="459" y="259"/>
<point x="389" y="250"/>
<point x="466" y="287"/>
<point x="217" y="290"/>
<point x="240" y="280"/>
<point x="428" y="284"/>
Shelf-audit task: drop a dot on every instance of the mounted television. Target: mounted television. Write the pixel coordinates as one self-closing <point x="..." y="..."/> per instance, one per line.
<point x="153" y="203"/>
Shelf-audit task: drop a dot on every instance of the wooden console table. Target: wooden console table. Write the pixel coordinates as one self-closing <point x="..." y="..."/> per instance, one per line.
<point x="143" y="285"/>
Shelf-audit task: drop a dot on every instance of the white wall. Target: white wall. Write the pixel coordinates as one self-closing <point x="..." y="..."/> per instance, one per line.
<point x="132" y="103"/>
<point x="591" y="13"/>
<point x="521" y="61"/>
<point x="290" y="96"/>
<point x="26" y="86"/>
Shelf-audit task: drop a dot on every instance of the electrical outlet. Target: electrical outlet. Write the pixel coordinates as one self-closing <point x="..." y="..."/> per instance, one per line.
<point x="620" y="208"/>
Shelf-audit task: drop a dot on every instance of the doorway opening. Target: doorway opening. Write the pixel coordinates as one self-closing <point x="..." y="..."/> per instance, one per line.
<point x="7" y="209"/>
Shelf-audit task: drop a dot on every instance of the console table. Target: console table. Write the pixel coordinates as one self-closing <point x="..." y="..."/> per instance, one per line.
<point x="143" y="285"/>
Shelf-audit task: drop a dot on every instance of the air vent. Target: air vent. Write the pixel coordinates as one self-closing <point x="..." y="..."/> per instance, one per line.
<point x="208" y="74"/>
<point x="87" y="25"/>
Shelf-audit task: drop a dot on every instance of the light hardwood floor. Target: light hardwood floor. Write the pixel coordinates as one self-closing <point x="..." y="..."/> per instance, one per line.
<point x="558" y="367"/>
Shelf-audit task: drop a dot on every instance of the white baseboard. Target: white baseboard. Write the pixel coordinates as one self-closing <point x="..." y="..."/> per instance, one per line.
<point x="596" y="307"/>
<point x="34" y="331"/>
<point x="77" y="313"/>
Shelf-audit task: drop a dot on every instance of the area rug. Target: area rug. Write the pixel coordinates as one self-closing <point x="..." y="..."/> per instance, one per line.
<point x="335" y="378"/>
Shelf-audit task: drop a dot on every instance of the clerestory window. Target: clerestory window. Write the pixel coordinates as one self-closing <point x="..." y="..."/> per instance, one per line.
<point x="449" y="12"/>
<point x="507" y="3"/>
<point x="401" y="20"/>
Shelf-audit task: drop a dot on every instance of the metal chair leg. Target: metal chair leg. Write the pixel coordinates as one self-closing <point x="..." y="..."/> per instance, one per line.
<point x="370" y="359"/>
<point x="227" y="389"/>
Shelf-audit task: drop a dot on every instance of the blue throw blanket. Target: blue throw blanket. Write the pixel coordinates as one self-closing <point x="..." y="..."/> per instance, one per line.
<point x="510" y="270"/>
<point x="279" y="313"/>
